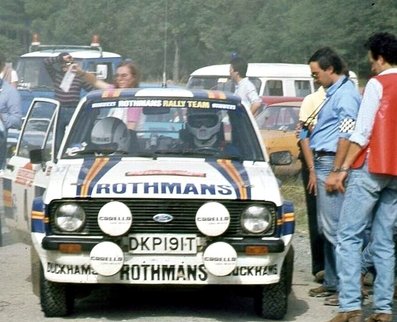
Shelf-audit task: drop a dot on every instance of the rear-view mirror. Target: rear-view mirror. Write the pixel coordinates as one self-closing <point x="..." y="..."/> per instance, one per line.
<point x="101" y="71"/>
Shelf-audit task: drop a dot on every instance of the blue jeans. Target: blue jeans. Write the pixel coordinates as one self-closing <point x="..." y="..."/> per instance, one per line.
<point x="369" y="197"/>
<point x="3" y="148"/>
<point x="328" y="211"/>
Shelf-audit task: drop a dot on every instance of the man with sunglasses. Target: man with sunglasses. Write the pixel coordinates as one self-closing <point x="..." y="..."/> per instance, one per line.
<point x="329" y="142"/>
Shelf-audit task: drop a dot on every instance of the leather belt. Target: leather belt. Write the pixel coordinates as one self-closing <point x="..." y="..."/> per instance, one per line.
<point x="323" y="153"/>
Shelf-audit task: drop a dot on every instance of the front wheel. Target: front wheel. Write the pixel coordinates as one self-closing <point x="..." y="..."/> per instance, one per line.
<point x="271" y="301"/>
<point x="56" y="298"/>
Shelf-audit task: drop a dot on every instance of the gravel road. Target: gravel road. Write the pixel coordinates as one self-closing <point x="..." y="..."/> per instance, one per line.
<point x="18" y="303"/>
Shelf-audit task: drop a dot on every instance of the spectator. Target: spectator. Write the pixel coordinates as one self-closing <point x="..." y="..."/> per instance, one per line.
<point x="244" y="88"/>
<point x="127" y="76"/>
<point x="10" y="113"/>
<point x="68" y="95"/>
<point x="329" y="142"/>
<point x="8" y="74"/>
<point x="57" y="68"/>
<point x="307" y="118"/>
<point x="371" y="192"/>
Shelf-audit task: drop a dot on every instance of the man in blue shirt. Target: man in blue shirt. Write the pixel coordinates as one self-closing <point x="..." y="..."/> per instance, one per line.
<point x="10" y="114"/>
<point x="329" y="142"/>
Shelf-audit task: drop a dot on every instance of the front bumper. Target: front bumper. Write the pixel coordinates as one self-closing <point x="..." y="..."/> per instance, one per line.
<point x="163" y="268"/>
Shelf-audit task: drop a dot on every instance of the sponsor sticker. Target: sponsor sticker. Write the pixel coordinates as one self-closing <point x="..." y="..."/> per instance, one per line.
<point x="106" y="258"/>
<point x="212" y="219"/>
<point x="115" y="218"/>
<point x="220" y="259"/>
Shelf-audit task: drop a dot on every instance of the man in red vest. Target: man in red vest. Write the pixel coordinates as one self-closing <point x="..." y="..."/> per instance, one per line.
<point x="371" y="190"/>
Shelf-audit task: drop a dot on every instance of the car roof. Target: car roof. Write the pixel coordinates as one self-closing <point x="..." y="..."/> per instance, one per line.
<point x="166" y="93"/>
<point x="268" y="100"/>
<point x="80" y="54"/>
<point x="258" y="70"/>
<point x="289" y="103"/>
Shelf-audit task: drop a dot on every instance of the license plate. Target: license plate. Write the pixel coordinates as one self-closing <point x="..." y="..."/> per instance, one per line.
<point x="160" y="244"/>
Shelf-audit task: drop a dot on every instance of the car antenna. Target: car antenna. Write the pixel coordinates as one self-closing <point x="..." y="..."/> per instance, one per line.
<point x="164" y="84"/>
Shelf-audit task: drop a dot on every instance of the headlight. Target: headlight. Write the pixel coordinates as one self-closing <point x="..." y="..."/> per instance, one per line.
<point x="69" y="217"/>
<point x="256" y="219"/>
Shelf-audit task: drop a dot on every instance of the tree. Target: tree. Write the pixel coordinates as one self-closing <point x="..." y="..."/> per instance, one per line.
<point x="195" y="33"/>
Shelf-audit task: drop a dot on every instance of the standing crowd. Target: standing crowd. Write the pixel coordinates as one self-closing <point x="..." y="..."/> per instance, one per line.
<point x="349" y="149"/>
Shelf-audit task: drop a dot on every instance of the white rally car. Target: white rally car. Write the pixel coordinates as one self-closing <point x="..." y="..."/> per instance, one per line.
<point x="150" y="186"/>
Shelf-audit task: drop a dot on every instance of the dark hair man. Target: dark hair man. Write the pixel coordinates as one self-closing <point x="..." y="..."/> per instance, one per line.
<point x="329" y="141"/>
<point x="244" y="87"/>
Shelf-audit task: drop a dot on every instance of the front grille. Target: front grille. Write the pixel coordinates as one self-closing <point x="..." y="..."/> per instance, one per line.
<point x="143" y="210"/>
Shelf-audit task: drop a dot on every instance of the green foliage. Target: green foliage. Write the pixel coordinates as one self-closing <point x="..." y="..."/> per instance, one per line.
<point x="196" y="33"/>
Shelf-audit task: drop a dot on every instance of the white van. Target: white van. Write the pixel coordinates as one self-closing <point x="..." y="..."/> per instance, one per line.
<point x="270" y="79"/>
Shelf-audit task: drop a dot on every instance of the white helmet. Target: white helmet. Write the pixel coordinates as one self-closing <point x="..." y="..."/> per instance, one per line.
<point x="204" y="125"/>
<point x="111" y="130"/>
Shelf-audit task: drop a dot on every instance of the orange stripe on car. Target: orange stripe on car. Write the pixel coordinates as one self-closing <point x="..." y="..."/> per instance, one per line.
<point x="96" y="167"/>
<point x="235" y="175"/>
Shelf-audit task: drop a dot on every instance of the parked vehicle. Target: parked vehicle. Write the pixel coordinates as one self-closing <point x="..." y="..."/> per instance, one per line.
<point x="34" y="80"/>
<point x="277" y="124"/>
<point x="152" y="205"/>
<point x="270" y="79"/>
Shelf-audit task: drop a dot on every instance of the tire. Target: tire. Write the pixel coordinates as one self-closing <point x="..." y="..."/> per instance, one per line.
<point x="289" y="268"/>
<point x="271" y="301"/>
<point x="55" y="298"/>
<point x="35" y="271"/>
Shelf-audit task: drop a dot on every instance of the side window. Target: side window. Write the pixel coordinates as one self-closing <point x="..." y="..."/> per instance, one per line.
<point x="302" y="88"/>
<point x="273" y="88"/>
<point x="212" y="83"/>
<point x="257" y="83"/>
<point x="37" y="132"/>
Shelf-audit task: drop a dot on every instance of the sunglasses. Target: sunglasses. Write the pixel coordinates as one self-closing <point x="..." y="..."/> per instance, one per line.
<point x="203" y="120"/>
<point x="314" y="75"/>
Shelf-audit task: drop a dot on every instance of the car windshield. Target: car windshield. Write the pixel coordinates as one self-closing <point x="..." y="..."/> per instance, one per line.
<point x="282" y="118"/>
<point x="32" y="74"/>
<point x="109" y="128"/>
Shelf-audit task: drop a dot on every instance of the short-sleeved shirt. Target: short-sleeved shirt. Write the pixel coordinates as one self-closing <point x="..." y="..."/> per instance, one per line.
<point x="247" y="91"/>
<point x="310" y="104"/>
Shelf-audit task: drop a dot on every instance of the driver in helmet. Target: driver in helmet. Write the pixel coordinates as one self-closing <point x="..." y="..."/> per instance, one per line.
<point x="204" y="127"/>
<point x="110" y="135"/>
